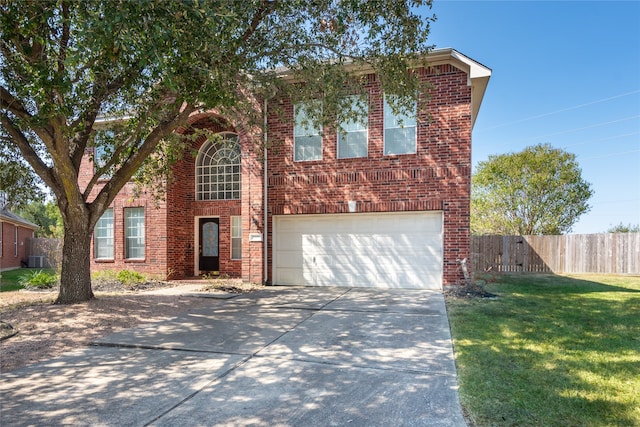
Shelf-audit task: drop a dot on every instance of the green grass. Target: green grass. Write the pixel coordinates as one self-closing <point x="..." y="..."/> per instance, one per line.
<point x="550" y="351"/>
<point x="10" y="280"/>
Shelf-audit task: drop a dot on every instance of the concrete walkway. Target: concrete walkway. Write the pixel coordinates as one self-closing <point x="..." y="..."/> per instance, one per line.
<point x="277" y="357"/>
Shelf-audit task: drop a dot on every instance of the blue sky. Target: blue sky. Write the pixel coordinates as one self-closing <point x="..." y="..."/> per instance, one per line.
<point x="565" y="73"/>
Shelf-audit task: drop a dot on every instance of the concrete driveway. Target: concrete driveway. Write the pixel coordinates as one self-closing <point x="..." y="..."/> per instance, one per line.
<point x="277" y="357"/>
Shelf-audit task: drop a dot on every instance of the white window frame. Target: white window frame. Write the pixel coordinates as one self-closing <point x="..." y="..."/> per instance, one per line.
<point x="102" y="243"/>
<point x="307" y="137"/>
<point x="399" y="124"/>
<point x="236" y="237"/>
<point x="134" y="233"/>
<point x="350" y="133"/>
<point x="218" y="169"/>
<point x="15" y="240"/>
<point x="100" y="154"/>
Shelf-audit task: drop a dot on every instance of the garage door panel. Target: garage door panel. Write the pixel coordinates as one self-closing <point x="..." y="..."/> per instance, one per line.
<point x="369" y="250"/>
<point x="291" y="275"/>
<point x="290" y="242"/>
<point x="290" y="259"/>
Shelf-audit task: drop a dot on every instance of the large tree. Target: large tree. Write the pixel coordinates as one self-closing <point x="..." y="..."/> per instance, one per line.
<point x="65" y="65"/>
<point x="539" y="190"/>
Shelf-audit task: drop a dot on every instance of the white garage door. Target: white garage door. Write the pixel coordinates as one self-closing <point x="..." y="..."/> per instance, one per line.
<point x="399" y="250"/>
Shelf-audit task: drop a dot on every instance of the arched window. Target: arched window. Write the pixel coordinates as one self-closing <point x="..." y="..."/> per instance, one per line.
<point x="218" y="168"/>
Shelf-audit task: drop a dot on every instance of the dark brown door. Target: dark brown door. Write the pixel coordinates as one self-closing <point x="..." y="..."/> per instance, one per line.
<point x="209" y="244"/>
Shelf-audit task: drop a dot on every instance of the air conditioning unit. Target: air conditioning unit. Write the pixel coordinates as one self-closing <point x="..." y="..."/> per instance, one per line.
<point x="36" y="261"/>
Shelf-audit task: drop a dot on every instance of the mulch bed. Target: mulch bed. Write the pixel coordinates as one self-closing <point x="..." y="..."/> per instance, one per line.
<point x="467" y="290"/>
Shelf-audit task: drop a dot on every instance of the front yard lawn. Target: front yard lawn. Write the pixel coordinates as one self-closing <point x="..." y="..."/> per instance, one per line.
<point x="550" y="350"/>
<point x="10" y="280"/>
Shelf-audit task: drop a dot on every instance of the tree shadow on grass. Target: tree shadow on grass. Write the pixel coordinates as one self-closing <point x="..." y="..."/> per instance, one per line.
<point x="551" y="350"/>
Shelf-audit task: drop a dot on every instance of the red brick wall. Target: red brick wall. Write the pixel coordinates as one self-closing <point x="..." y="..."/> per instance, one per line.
<point x="437" y="177"/>
<point x="155" y="219"/>
<point x="170" y="245"/>
<point x="9" y="259"/>
<point x="155" y="260"/>
<point x="183" y="209"/>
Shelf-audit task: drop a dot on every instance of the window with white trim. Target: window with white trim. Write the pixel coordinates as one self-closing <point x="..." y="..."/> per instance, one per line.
<point x="134" y="233"/>
<point x="399" y="131"/>
<point x="218" y="169"/>
<point x="353" y="135"/>
<point x="236" y="237"/>
<point x="307" y="139"/>
<point x="15" y="240"/>
<point x="104" y="141"/>
<point x="103" y="236"/>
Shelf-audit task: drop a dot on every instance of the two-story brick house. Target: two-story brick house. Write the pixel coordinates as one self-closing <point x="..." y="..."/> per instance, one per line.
<point x="384" y="204"/>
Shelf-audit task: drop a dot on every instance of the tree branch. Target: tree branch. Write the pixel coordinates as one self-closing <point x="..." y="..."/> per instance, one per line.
<point x="101" y="91"/>
<point x="14" y="106"/>
<point x="267" y="8"/>
<point x="30" y="155"/>
<point x="176" y="117"/>
<point x="64" y="38"/>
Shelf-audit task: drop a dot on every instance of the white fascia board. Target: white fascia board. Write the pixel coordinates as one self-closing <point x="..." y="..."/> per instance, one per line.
<point x="106" y="121"/>
<point x="477" y="74"/>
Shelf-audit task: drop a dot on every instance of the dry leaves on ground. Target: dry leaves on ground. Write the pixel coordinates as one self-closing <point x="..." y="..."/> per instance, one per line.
<point x="46" y="330"/>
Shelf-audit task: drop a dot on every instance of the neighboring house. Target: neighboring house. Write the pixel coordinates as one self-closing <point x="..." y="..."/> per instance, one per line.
<point x="384" y="205"/>
<point x="14" y="232"/>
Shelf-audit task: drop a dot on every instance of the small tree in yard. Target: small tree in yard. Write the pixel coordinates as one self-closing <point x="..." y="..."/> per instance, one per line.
<point x="66" y="63"/>
<point x="539" y="190"/>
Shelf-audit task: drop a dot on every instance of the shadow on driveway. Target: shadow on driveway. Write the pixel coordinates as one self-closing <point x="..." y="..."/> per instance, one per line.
<point x="280" y="356"/>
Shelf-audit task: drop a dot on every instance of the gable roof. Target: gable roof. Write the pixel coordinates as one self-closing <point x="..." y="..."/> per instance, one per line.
<point x="478" y="74"/>
<point x="7" y="216"/>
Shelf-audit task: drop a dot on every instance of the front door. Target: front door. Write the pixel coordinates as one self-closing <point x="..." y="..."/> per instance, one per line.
<point x="209" y="244"/>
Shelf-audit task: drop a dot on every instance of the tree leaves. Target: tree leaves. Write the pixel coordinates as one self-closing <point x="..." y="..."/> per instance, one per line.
<point x="539" y="190"/>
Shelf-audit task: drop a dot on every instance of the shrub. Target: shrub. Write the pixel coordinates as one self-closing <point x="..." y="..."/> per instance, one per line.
<point x="103" y="275"/>
<point x="38" y="279"/>
<point x="130" y="278"/>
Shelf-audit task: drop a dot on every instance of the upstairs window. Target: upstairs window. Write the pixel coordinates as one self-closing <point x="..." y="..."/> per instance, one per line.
<point x="399" y="131"/>
<point x="353" y="135"/>
<point x="104" y="142"/>
<point x="218" y="169"/>
<point x="307" y="139"/>
<point x="15" y="240"/>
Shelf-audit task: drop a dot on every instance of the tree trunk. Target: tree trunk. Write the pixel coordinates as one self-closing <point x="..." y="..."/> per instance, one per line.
<point x="75" y="277"/>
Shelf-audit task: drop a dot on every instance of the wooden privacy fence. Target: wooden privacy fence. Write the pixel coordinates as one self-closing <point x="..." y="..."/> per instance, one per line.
<point x="44" y="253"/>
<point x="617" y="253"/>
